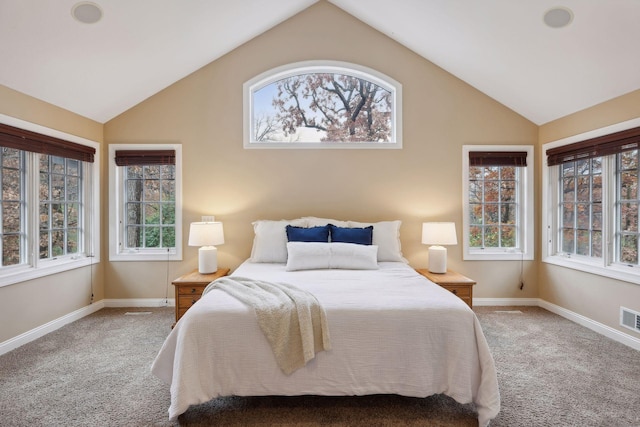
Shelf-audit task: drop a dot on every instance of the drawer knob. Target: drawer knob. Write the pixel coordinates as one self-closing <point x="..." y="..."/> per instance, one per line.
<point x="193" y="290"/>
<point x="455" y="291"/>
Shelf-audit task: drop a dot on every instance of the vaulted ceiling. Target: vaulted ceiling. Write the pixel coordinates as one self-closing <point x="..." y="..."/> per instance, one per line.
<point x="501" y="47"/>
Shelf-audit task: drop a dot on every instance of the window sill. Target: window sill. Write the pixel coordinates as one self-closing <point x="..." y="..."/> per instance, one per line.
<point x="23" y="274"/>
<point x="614" y="271"/>
<point x="146" y="256"/>
<point x="497" y="256"/>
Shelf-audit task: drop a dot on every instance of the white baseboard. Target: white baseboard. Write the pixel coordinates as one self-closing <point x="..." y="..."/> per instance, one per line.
<point x="140" y="302"/>
<point x="598" y="327"/>
<point x="505" y="301"/>
<point x="51" y="326"/>
<point x="588" y="323"/>
<point x="48" y="327"/>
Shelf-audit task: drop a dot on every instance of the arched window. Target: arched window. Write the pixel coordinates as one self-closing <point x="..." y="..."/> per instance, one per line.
<point x="322" y="104"/>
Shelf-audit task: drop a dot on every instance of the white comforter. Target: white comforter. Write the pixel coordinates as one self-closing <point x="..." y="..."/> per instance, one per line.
<point x="392" y="332"/>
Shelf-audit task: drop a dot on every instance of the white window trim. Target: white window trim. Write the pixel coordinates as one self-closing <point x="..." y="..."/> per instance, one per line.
<point x="36" y="267"/>
<point x="116" y="231"/>
<point x="525" y="214"/>
<point x="604" y="266"/>
<point x="322" y="66"/>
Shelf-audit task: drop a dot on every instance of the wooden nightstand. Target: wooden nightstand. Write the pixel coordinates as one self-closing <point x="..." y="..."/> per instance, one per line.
<point x="189" y="288"/>
<point x="460" y="285"/>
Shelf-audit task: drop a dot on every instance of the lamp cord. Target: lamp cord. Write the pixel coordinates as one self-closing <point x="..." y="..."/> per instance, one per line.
<point x="521" y="270"/>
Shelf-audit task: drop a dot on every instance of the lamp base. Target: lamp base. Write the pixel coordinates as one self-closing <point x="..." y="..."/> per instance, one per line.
<point x="207" y="259"/>
<point x="437" y="259"/>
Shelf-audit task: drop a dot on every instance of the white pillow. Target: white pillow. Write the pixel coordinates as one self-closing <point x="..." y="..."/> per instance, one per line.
<point x="270" y="240"/>
<point x="313" y="221"/>
<point x="351" y="256"/>
<point x="320" y="255"/>
<point x="386" y="234"/>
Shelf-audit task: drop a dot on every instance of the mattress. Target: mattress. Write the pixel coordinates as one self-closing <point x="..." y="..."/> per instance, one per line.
<point x="392" y="332"/>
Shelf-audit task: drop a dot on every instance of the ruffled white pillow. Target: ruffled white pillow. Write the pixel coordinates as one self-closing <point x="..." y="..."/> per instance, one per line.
<point x="319" y="222"/>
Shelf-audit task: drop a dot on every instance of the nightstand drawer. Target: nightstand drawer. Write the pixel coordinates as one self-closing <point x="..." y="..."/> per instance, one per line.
<point x="187" y="301"/>
<point x="461" y="291"/>
<point x="191" y="290"/>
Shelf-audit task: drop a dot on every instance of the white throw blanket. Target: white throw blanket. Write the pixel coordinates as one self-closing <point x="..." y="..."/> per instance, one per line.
<point x="292" y="320"/>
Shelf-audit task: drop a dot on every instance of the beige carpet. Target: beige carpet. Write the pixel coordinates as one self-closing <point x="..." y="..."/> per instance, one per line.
<point x="95" y="372"/>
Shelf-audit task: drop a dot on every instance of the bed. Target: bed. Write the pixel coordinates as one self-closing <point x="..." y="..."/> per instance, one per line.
<point x="392" y="332"/>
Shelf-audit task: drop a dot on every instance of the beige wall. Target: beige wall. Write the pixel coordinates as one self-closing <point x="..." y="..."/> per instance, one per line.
<point x="421" y="182"/>
<point x="27" y="305"/>
<point x="596" y="297"/>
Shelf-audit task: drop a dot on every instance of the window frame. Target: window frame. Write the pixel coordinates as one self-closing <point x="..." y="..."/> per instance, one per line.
<point x="34" y="267"/>
<point x="116" y="208"/>
<point x="525" y="215"/>
<point x="606" y="265"/>
<point x="65" y="202"/>
<point x="322" y="66"/>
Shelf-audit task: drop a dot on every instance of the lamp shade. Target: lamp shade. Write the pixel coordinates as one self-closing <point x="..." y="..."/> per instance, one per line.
<point x="206" y="234"/>
<point x="439" y="233"/>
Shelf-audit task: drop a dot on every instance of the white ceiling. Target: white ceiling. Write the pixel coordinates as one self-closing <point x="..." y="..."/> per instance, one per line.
<point x="501" y="47"/>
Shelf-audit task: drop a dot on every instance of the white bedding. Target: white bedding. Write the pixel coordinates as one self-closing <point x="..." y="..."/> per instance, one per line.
<point x="392" y="332"/>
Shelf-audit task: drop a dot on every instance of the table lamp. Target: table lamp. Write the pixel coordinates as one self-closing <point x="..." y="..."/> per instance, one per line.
<point x="438" y="234"/>
<point x="206" y="235"/>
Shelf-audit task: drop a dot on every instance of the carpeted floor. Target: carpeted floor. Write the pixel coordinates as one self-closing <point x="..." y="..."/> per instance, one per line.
<point x="95" y="372"/>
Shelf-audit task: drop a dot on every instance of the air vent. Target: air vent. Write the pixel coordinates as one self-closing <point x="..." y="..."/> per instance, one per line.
<point x="630" y="319"/>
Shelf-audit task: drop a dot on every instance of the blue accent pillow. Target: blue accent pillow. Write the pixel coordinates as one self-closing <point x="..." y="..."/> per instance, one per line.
<point x="311" y="234"/>
<point x="360" y="236"/>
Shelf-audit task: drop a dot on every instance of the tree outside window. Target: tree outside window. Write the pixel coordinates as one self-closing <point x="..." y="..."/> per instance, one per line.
<point x="627" y="207"/>
<point x="581" y="207"/>
<point x="12" y="211"/>
<point x="60" y="206"/>
<point x="150" y="206"/>
<point x="493" y="208"/>
<point x="322" y="105"/>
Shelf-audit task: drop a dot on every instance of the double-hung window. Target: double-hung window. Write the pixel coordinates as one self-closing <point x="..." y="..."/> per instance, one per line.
<point x="48" y="212"/>
<point x="591" y="202"/>
<point x="145" y="194"/>
<point x="497" y="202"/>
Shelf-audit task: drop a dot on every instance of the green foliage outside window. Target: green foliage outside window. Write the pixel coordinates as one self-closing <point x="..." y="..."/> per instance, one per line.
<point x="150" y="206"/>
